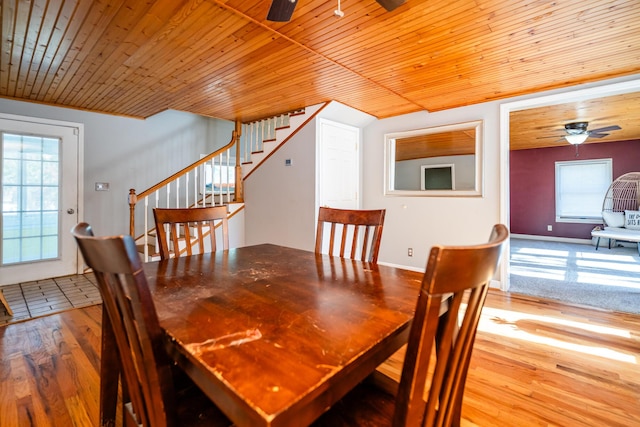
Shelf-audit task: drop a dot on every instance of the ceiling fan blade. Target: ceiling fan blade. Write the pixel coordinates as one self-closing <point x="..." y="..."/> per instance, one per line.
<point x="605" y="129"/>
<point x="281" y="10"/>
<point x="390" y="4"/>
<point x="597" y="135"/>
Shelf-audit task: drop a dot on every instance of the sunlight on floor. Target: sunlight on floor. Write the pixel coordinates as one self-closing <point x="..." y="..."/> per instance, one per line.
<point x="608" y="280"/>
<point x="552" y="332"/>
<point x="615" y="265"/>
<point x="623" y="259"/>
<point x="541" y="272"/>
<point x="540" y="258"/>
<point x="547" y="252"/>
<point x="550" y="264"/>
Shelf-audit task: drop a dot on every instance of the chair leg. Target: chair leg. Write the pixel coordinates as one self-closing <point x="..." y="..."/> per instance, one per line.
<point x="109" y="373"/>
<point x="3" y="301"/>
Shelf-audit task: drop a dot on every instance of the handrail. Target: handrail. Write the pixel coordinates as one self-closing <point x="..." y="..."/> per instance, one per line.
<point x="134" y="198"/>
<point x="181" y="172"/>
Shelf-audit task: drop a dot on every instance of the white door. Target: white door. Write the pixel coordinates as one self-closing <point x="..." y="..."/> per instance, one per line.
<point x="338" y="165"/>
<point x="39" y="193"/>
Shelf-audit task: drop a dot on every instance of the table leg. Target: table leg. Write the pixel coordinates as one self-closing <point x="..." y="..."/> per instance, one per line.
<point x="109" y="374"/>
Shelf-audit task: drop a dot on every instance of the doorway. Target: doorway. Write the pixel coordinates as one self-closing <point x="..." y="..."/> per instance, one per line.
<point x="561" y="98"/>
<point x="40" y="190"/>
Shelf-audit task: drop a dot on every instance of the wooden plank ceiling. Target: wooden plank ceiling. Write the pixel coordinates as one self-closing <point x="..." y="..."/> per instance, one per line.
<point x="544" y="126"/>
<point x="224" y="59"/>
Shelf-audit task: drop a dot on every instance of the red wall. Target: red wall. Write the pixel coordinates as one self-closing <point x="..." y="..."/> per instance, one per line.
<point x="532" y="183"/>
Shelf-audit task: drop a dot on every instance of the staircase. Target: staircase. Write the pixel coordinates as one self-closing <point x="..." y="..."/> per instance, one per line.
<point x="217" y="178"/>
<point x="262" y="138"/>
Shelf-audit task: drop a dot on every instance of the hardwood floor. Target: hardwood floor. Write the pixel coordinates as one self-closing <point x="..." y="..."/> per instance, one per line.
<point x="535" y="363"/>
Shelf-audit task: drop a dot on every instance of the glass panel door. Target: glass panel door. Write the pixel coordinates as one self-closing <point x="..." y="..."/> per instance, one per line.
<point x="39" y="188"/>
<point x="30" y="198"/>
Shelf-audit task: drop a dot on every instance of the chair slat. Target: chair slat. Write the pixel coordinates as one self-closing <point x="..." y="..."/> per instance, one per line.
<point x="353" y="223"/>
<point x="185" y="219"/>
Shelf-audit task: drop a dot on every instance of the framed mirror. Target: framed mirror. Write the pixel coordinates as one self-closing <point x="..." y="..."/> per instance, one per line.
<point x="437" y="161"/>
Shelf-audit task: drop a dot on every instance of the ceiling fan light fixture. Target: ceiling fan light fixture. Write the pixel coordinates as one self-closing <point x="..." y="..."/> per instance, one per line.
<point x="576" y="138"/>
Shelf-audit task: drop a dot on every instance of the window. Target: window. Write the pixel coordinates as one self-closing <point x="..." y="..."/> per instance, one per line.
<point x="220" y="178"/>
<point x="580" y="189"/>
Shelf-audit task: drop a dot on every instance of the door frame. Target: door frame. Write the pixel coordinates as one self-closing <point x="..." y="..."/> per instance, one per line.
<point x="541" y="101"/>
<point x="79" y="163"/>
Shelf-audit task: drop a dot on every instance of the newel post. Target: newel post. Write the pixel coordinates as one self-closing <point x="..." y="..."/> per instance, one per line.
<point x="238" y="169"/>
<point x="133" y="199"/>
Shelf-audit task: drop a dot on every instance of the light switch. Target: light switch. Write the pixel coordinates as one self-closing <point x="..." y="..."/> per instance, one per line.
<point x="102" y="186"/>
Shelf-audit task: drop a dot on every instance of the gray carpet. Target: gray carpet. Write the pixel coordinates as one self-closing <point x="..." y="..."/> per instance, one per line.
<point x="577" y="274"/>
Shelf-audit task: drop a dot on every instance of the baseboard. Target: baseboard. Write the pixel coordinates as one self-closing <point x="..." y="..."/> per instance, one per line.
<point x="402" y="267"/>
<point x="551" y="238"/>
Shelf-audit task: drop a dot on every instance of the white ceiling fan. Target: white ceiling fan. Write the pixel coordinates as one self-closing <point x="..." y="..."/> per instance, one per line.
<point x="577" y="132"/>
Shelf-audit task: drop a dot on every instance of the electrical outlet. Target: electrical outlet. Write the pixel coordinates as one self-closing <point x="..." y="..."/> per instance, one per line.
<point x="549" y="228"/>
<point x="410" y="251"/>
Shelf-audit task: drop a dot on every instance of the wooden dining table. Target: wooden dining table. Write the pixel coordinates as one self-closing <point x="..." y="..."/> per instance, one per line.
<point x="274" y="335"/>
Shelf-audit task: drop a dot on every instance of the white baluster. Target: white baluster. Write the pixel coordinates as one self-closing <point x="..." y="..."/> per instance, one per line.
<point x="145" y="239"/>
<point x="228" y="180"/>
<point x="220" y="162"/>
<point x="177" y="181"/>
<point x="195" y="186"/>
<point x="186" y="189"/>
<point x="251" y="127"/>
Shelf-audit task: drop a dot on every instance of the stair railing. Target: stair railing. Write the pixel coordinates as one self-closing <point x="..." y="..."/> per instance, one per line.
<point x="256" y="133"/>
<point x="215" y="179"/>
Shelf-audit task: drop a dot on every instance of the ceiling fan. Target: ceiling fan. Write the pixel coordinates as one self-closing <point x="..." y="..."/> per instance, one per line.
<point x="281" y="10"/>
<point x="577" y="132"/>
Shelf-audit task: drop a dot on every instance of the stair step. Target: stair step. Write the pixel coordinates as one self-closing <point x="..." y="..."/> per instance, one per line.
<point x="151" y="248"/>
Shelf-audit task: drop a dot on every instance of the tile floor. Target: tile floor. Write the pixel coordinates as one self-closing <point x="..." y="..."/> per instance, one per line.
<point x="43" y="297"/>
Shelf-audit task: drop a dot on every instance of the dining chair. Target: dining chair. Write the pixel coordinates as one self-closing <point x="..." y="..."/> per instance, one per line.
<point x="439" y="347"/>
<point x="155" y="393"/>
<point x="181" y="221"/>
<point x="346" y="225"/>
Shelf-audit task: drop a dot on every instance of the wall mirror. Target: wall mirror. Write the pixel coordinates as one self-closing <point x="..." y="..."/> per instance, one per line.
<point x="437" y="161"/>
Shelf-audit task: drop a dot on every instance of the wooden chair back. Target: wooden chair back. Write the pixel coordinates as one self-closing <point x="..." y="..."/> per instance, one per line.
<point x="461" y="276"/>
<point x="361" y="228"/>
<point x="179" y="222"/>
<point x="126" y="298"/>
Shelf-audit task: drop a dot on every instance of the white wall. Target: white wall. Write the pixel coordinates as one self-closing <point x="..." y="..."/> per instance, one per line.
<point x="279" y="199"/>
<point x="129" y="153"/>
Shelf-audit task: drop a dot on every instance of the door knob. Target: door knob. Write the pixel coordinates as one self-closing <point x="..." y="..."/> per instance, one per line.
<point x="70" y="211"/>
